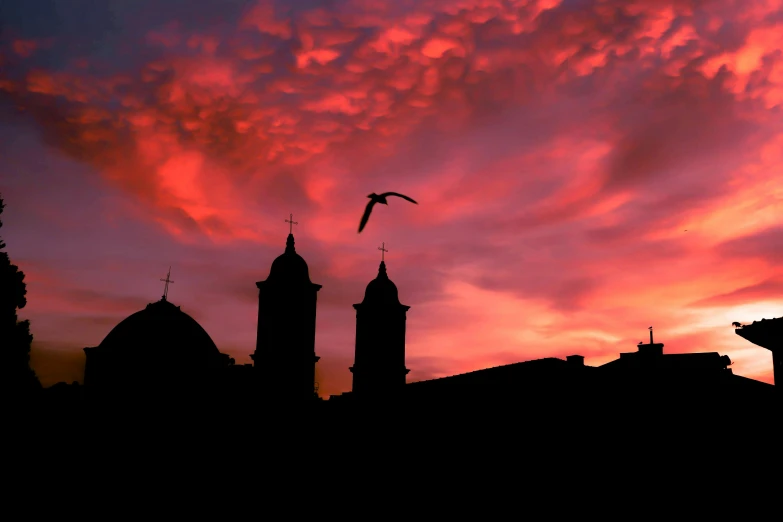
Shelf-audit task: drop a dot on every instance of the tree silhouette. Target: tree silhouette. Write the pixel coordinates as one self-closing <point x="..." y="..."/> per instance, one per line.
<point x="18" y="381"/>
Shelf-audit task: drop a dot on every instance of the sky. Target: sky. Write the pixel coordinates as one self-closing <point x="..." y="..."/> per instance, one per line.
<point x="584" y="170"/>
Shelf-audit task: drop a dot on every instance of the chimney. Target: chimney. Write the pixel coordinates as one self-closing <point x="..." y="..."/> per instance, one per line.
<point x="651" y="349"/>
<point x="575" y="360"/>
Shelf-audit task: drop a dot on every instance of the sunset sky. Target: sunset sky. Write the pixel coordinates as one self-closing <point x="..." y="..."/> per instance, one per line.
<point x="584" y="169"/>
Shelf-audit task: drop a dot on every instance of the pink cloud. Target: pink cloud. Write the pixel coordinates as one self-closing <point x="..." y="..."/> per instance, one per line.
<point x="264" y="17"/>
<point x="559" y="152"/>
<point x="765" y="290"/>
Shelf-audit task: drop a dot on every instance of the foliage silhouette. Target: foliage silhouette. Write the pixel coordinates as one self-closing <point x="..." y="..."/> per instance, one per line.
<point x="18" y="381"/>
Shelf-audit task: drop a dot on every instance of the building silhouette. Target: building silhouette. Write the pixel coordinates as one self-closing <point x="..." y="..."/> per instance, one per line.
<point x="379" y="359"/>
<point x="284" y="358"/>
<point x="157" y="352"/>
<point x="767" y="333"/>
<point x="160" y="355"/>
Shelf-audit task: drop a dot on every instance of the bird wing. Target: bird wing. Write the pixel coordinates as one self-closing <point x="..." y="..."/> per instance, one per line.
<point x="366" y="215"/>
<point x="403" y="196"/>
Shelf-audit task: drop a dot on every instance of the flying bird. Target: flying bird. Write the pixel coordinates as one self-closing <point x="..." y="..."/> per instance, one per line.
<point x="379" y="198"/>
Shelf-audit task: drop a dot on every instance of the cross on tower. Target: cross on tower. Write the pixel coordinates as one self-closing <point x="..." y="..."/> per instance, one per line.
<point x="166" y="288"/>
<point x="383" y="250"/>
<point x="292" y="223"/>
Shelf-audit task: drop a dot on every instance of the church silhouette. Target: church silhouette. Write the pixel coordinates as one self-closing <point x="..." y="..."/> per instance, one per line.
<point x="161" y="359"/>
<point x="158" y="388"/>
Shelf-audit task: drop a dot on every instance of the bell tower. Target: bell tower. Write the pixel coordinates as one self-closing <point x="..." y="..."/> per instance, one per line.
<point x="379" y="361"/>
<point x="284" y="358"/>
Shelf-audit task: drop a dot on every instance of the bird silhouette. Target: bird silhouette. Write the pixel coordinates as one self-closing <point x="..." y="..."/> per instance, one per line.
<point x="379" y="198"/>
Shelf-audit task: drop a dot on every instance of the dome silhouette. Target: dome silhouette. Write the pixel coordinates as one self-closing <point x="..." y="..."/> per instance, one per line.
<point x="289" y="266"/>
<point x="164" y="331"/>
<point x="381" y="290"/>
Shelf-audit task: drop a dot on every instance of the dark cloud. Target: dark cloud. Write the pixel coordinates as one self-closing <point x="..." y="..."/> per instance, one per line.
<point x="106" y="322"/>
<point x="765" y="290"/>
<point x="766" y="245"/>
<point x="680" y="126"/>
<point x="85" y="298"/>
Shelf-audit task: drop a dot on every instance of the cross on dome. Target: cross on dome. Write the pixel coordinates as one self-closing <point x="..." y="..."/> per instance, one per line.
<point x="291" y="223"/>
<point x="166" y="288"/>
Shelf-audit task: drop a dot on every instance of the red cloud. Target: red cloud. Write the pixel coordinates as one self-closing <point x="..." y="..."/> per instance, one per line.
<point x="264" y="17"/>
<point x="569" y="144"/>
<point x="25" y="48"/>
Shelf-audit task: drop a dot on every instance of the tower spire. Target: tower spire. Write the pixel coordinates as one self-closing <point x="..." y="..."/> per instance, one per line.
<point x="289" y="243"/>
<point x="286" y="318"/>
<point x="379" y="361"/>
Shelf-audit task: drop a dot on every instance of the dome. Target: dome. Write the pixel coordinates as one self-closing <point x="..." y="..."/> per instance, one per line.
<point x="381" y="290"/>
<point x="165" y="330"/>
<point x="289" y="266"/>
